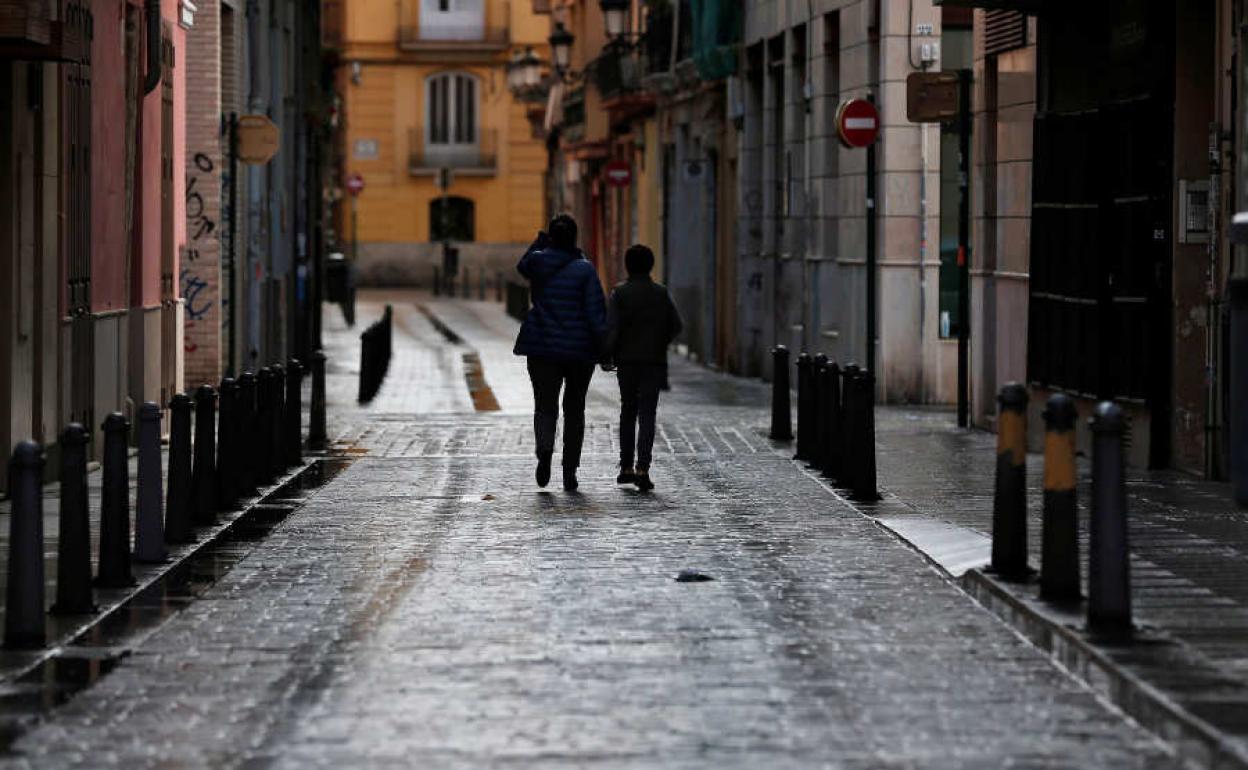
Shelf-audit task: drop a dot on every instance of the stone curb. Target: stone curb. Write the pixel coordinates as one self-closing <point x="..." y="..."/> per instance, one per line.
<point x="114" y="601"/>
<point x="1057" y="634"/>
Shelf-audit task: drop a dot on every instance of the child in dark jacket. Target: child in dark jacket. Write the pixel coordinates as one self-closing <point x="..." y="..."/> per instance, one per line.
<point x="642" y="321"/>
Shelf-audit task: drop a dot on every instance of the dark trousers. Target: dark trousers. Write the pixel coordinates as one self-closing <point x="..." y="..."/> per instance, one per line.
<point x="639" y="400"/>
<point x="548" y="375"/>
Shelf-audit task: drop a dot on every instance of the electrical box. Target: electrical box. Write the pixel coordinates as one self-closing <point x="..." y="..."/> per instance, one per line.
<point x="1194" y="224"/>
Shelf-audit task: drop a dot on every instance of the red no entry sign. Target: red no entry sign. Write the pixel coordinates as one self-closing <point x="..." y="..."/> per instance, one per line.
<point x="619" y="173"/>
<point x="857" y="122"/>
<point x="355" y="184"/>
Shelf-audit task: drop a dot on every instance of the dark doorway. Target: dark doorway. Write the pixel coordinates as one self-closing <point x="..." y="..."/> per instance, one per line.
<point x="452" y="219"/>
<point x="1100" y="311"/>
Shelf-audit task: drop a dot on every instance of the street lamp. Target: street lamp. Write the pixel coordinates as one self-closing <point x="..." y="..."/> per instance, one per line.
<point x="529" y="69"/>
<point x="524" y="75"/>
<point x="561" y="46"/>
<point x="514" y="76"/>
<point x="615" y="14"/>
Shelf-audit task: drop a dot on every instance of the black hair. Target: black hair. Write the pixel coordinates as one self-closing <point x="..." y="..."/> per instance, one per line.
<point x="639" y="259"/>
<point x="562" y="230"/>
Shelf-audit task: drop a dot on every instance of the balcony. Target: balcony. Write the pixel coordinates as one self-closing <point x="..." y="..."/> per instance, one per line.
<point x="616" y="72"/>
<point x="617" y="75"/>
<point x="488" y="31"/>
<point x="480" y="159"/>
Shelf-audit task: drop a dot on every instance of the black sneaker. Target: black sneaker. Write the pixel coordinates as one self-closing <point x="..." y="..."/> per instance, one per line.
<point x="569" y="479"/>
<point x="543" y="470"/>
<point x="626" y="476"/>
<point x="642" y="480"/>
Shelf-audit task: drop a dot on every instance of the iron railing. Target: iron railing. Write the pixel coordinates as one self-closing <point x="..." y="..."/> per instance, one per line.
<point x="425" y="157"/>
<point x="493" y="30"/>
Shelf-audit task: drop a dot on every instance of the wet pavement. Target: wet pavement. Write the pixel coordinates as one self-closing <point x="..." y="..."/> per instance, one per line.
<point x="430" y="607"/>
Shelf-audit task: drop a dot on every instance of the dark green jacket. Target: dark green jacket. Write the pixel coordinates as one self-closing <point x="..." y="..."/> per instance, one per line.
<point x="642" y="321"/>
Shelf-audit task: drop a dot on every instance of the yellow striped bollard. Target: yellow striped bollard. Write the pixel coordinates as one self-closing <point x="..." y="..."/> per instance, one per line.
<point x="1009" y="502"/>
<point x="1059" y="540"/>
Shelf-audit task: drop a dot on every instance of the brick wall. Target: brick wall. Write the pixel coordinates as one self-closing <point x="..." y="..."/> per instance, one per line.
<point x="201" y="264"/>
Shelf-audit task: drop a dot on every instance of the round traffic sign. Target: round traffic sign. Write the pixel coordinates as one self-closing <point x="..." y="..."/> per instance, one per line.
<point x="857" y="123"/>
<point x="355" y="184"/>
<point x="619" y="173"/>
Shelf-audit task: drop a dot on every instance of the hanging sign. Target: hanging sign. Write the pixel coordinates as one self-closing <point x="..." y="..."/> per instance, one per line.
<point x="258" y="139"/>
<point x="857" y="123"/>
<point x="619" y="173"/>
<point x="931" y="97"/>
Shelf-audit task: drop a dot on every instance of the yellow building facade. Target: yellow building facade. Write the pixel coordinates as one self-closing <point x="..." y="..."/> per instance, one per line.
<point x="423" y="87"/>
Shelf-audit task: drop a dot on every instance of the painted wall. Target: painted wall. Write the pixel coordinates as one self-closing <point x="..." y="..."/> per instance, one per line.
<point x="109" y="290"/>
<point x="389" y="101"/>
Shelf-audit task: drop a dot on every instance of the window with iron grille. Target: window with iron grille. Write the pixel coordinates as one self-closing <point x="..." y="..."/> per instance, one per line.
<point x="451" y="109"/>
<point x="1100" y="240"/>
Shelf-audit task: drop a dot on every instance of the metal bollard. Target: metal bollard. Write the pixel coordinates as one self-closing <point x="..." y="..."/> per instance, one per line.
<point x="481" y="284"/>
<point x="249" y="453"/>
<point x="149" y="517"/>
<point x="805" y="411"/>
<point x="372" y="362"/>
<point x="849" y="425"/>
<point x="818" y="408"/>
<point x="227" y="445"/>
<point x="114" y="564"/>
<point x="864" y="487"/>
<point x="437" y="281"/>
<point x="262" y="436"/>
<point x="204" y="469"/>
<point x="23" y="609"/>
<point x="387" y="336"/>
<point x="178" y="500"/>
<point x="74" y="594"/>
<point x="317" y="435"/>
<point x="1237" y="412"/>
<point x="819" y="377"/>
<point x="498" y="286"/>
<point x="1109" y="576"/>
<point x="467" y="284"/>
<point x="277" y="428"/>
<point x="830" y="420"/>
<point x="1059" y="540"/>
<point x="294" y="413"/>
<point x="781" y="419"/>
<point x="1009" y="501"/>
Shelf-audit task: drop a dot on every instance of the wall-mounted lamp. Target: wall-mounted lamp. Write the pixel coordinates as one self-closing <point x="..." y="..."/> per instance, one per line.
<point x="561" y="47"/>
<point x="615" y="16"/>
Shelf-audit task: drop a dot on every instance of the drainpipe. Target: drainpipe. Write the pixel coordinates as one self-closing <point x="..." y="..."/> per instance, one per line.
<point x="152" y="78"/>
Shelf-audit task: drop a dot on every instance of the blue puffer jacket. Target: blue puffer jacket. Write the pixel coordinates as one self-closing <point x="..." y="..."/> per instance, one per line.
<point x="568" y="319"/>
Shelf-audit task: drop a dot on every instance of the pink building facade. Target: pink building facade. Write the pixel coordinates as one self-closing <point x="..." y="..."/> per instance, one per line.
<point x="92" y="210"/>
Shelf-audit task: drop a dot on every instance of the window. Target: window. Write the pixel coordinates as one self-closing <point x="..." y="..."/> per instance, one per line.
<point x="452" y="19"/>
<point x="451" y="109"/>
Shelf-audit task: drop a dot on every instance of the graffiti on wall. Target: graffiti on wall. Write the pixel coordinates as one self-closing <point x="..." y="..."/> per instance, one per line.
<point x="197" y="292"/>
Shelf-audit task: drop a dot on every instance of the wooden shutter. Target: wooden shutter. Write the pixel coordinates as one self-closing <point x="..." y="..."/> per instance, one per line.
<point x="1004" y="31"/>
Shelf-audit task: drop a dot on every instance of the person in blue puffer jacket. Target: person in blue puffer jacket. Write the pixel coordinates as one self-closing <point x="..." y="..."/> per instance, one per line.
<point x="563" y="337"/>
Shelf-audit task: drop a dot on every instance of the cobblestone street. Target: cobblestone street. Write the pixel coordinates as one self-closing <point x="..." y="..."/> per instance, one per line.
<point x="430" y="607"/>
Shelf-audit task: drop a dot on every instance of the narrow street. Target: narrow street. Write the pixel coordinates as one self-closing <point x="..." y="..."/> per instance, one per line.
<point x="430" y="607"/>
